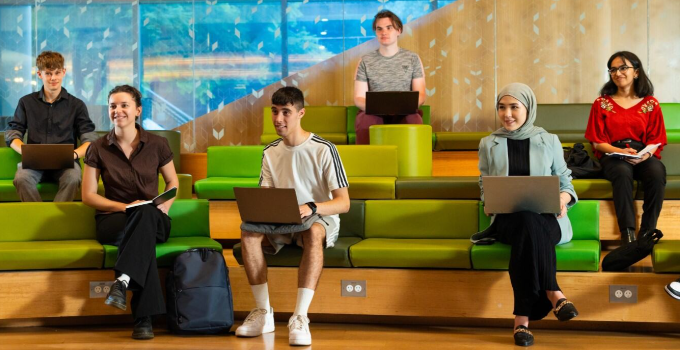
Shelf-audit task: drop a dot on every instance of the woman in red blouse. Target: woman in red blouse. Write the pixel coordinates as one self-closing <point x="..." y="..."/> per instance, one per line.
<point x="626" y="118"/>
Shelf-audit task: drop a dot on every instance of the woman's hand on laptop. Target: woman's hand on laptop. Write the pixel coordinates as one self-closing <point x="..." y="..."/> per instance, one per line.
<point x="565" y="198"/>
<point x="305" y="211"/>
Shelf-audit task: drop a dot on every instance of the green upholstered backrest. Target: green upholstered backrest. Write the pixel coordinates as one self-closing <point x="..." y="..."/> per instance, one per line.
<point x="8" y="163"/>
<point x="23" y="222"/>
<point x="317" y="119"/>
<point x="671" y="115"/>
<point x="407" y="218"/>
<point x="584" y="218"/>
<point x="174" y="140"/>
<point x="190" y="218"/>
<point x="562" y="117"/>
<point x="234" y="161"/>
<point x="365" y="160"/>
<point x="426" y="114"/>
<point x="670" y="156"/>
<point x="352" y="222"/>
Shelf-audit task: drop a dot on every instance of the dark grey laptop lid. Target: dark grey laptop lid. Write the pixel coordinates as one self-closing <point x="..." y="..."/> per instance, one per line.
<point x="46" y="156"/>
<point x="268" y="205"/>
<point x="391" y="102"/>
<point x="511" y="194"/>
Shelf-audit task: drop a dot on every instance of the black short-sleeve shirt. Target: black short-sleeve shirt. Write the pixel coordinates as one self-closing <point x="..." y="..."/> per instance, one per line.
<point x="127" y="180"/>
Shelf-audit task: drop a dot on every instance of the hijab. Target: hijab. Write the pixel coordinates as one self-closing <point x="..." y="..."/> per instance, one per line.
<point x="525" y="96"/>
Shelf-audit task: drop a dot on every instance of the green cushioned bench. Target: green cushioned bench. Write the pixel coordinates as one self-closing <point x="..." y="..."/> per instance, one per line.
<point x="329" y="122"/>
<point x="666" y="256"/>
<point x="352" y="112"/>
<point x="229" y="167"/>
<point x="351" y="232"/>
<point x="581" y="254"/>
<point x="50" y="236"/>
<point x="417" y="234"/>
<point x="190" y="228"/>
<point x="371" y="170"/>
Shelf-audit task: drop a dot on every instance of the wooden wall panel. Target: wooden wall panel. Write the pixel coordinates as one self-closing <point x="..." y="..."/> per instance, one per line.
<point x="664" y="49"/>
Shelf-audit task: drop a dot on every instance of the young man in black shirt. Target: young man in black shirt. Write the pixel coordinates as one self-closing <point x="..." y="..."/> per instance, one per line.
<point x="51" y="116"/>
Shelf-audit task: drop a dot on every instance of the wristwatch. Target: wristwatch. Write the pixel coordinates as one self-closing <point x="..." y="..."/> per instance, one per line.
<point x="312" y="206"/>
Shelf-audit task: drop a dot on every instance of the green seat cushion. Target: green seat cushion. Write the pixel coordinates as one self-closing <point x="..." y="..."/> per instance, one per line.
<point x="421" y="219"/>
<point x="666" y="256"/>
<point x="572" y="136"/>
<point x="168" y="251"/>
<point x="413" y="253"/>
<point x="447" y="140"/>
<point x="593" y="188"/>
<point x="51" y="255"/>
<point x="365" y="160"/>
<point x="222" y="187"/>
<point x="371" y="187"/>
<point x="573" y="256"/>
<point x="352" y="222"/>
<point x="27" y="222"/>
<point x="290" y="255"/>
<point x="440" y="187"/>
<point x="673" y="136"/>
<point x="671" y="119"/>
<point x="190" y="218"/>
<point x="47" y="190"/>
<point x="234" y="161"/>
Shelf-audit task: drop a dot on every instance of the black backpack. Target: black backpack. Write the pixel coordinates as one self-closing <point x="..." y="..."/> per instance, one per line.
<point x="628" y="254"/>
<point x="580" y="163"/>
<point x="199" y="293"/>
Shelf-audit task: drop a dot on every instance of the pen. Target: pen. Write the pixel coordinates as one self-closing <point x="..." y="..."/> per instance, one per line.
<point x="627" y="146"/>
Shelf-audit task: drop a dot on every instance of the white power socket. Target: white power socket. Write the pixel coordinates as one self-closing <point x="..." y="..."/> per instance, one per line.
<point x="100" y="289"/>
<point x="353" y="288"/>
<point x="623" y="294"/>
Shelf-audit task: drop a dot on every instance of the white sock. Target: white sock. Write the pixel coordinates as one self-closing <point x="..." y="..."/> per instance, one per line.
<point x="304" y="299"/>
<point x="261" y="294"/>
<point x="125" y="279"/>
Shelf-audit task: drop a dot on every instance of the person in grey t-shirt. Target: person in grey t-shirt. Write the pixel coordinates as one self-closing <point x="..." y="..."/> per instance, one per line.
<point x="389" y="68"/>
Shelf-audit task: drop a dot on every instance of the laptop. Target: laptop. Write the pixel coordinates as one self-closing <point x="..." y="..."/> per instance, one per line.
<point x="46" y="156"/>
<point x="391" y="102"/>
<point x="268" y="205"/>
<point x="511" y="194"/>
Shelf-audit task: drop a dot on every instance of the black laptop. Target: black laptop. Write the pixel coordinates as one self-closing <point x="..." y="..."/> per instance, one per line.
<point x="388" y="103"/>
<point x="46" y="156"/>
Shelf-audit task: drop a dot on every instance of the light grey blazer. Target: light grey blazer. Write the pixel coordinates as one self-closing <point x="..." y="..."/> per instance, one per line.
<point x="546" y="158"/>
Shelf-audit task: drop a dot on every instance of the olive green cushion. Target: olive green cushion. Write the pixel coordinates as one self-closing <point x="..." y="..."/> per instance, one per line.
<point x="448" y="140"/>
<point x="371" y="187"/>
<point x="572" y="256"/>
<point x="594" y="188"/>
<point x="27" y="222"/>
<point x="290" y="255"/>
<point x="50" y="255"/>
<point x="563" y="117"/>
<point x="222" y="187"/>
<point x="439" y="187"/>
<point x="168" y="251"/>
<point x="412" y="253"/>
<point x="329" y="122"/>
<point x="666" y="256"/>
<point x="414" y="146"/>
<point x="581" y="254"/>
<point x="369" y="161"/>
<point x="421" y="218"/>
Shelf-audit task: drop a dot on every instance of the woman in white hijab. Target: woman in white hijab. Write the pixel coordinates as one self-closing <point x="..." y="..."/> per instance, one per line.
<point x="519" y="148"/>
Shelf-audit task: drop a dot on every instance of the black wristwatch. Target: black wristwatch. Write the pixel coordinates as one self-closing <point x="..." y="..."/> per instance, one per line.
<point x="312" y="206"/>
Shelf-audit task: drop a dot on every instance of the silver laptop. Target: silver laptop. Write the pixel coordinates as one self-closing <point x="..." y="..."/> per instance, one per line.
<point x="268" y="205"/>
<point x="511" y="194"/>
<point x="46" y="156"/>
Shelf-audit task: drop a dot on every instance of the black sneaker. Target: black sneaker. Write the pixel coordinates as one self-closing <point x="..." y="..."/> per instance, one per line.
<point x="117" y="296"/>
<point x="673" y="289"/>
<point x="143" y="329"/>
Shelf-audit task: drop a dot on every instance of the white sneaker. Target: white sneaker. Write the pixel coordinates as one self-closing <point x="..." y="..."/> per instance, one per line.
<point x="673" y="289"/>
<point x="299" y="334"/>
<point x="258" y="321"/>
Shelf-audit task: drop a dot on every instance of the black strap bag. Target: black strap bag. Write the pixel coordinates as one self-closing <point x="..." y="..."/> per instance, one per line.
<point x="628" y="254"/>
<point x="580" y="163"/>
<point x="199" y="299"/>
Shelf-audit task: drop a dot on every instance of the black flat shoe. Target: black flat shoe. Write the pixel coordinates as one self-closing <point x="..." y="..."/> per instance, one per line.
<point x="143" y="329"/>
<point x="565" y="310"/>
<point x="523" y="337"/>
<point x="117" y="296"/>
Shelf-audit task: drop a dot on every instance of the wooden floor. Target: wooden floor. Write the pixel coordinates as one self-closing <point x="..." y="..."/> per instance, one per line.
<point x="334" y="336"/>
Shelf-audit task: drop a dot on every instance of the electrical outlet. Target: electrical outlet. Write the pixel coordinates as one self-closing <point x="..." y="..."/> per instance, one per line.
<point x="353" y="288"/>
<point x="99" y="289"/>
<point x="623" y="294"/>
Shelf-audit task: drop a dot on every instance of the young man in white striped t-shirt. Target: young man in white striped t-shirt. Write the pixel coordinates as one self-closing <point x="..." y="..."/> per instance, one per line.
<point x="312" y="166"/>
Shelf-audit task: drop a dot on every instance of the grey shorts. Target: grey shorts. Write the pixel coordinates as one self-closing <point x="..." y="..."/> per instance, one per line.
<point x="279" y="240"/>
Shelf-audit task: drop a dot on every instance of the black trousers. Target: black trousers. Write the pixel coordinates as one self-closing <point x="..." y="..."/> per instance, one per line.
<point x="136" y="233"/>
<point x="652" y="174"/>
<point x="533" y="264"/>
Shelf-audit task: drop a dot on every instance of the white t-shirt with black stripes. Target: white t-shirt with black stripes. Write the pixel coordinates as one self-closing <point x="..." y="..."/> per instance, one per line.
<point x="313" y="168"/>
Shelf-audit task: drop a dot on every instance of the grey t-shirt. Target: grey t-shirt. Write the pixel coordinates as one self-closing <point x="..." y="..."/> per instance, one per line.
<point x="389" y="73"/>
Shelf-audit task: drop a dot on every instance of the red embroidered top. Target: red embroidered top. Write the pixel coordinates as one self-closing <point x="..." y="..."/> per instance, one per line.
<point x="610" y="122"/>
